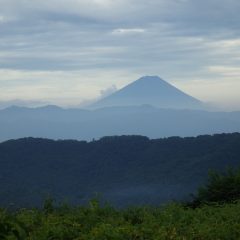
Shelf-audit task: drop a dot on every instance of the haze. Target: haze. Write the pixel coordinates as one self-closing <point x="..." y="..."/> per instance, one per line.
<point x="71" y="52"/>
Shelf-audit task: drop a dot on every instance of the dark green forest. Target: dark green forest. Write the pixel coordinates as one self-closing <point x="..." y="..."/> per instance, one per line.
<point x="123" y="170"/>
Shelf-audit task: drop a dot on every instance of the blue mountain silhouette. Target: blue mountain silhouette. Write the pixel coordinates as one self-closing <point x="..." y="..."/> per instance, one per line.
<point x="150" y="90"/>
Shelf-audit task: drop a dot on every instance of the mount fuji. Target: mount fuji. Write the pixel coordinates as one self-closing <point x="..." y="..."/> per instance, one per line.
<point x="149" y="90"/>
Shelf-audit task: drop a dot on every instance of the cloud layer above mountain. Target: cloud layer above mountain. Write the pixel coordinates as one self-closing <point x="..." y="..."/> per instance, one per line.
<point x="65" y="52"/>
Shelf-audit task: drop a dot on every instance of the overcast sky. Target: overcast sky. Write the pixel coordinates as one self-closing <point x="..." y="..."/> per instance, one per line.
<point x="68" y="52"/>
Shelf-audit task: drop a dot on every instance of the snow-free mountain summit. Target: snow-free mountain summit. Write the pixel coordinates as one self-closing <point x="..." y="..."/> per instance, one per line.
<point x="150" y="90"/>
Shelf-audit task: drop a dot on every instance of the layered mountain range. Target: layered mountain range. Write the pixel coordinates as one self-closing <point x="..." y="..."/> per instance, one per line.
<point x="149" y="106"/>
<point x="124" y="169"/>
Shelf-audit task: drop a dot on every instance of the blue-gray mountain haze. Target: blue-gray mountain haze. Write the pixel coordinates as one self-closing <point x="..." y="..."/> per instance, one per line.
<point x="149" y="107"/>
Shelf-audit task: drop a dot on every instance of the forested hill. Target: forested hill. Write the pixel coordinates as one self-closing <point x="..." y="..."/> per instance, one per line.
<point x="125" y="169"/>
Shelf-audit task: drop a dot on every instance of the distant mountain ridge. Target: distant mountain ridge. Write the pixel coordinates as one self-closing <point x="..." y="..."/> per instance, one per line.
<point x="129" y="111"/>
<point x="149" y="90"/>
<point x="57" y="123"/>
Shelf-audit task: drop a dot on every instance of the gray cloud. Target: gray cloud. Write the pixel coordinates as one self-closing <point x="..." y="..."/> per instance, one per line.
<point x="181" y="40"/>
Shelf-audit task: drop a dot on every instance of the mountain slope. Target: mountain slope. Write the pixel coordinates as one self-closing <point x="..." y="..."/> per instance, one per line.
<point x="150" y="90"/>
<point x="125" y="170"/>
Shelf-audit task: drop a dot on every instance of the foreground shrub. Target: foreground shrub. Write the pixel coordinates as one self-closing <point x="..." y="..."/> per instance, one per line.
<point x="105" y="223"/>
<point x="220" y="188"/>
